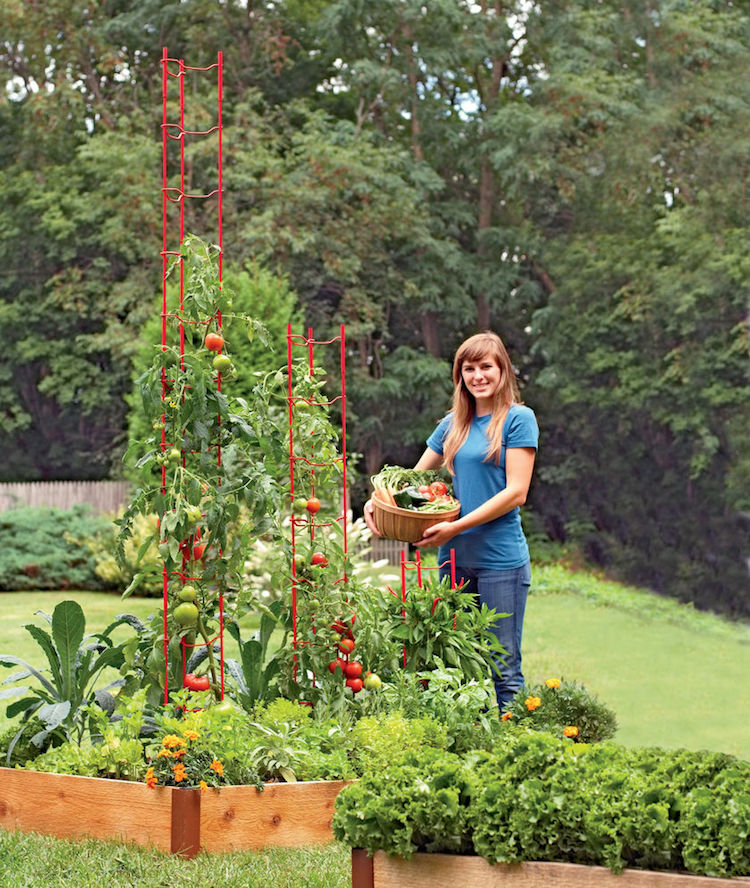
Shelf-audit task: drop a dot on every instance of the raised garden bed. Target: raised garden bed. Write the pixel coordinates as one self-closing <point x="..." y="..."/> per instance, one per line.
<point x="439" y="870"/>
<point x="180" y="821"/>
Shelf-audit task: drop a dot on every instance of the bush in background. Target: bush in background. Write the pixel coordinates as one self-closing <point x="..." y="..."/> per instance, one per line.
<point x="45" y="548"/>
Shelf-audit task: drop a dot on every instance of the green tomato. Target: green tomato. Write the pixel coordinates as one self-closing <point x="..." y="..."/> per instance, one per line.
<point x="174" y="455"/>
<point x="373" y="682"/>
<point x="188" y="593"/>
<point x="222" y="363"/>
<point x="194" y="514"/>
<point x="186" y="614"/>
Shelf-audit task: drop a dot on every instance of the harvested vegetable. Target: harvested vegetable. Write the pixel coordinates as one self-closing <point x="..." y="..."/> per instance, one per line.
<point x="411" y="489"/>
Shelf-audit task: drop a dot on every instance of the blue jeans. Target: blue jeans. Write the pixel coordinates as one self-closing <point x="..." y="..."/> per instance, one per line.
<point x="506" y="591"/>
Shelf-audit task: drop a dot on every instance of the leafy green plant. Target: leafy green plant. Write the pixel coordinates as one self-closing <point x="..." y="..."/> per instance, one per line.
<point x="61" y="699"/>
<point x="416" y="802"/>
<point x="254" y="675"/>
<point x="564" y="708"/>
<point x="439" y="625"/>
<point x="539" y="797"/>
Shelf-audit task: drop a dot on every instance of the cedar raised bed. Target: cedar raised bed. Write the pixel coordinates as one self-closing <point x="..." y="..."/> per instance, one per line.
<point x="457" y="871"/>
<point x="180" y="821"/>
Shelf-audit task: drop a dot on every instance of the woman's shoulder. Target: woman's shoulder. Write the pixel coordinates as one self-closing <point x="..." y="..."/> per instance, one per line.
<point x="521" y="425"/>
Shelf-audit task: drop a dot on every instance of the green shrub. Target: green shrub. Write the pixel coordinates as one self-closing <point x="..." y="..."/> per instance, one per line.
<point x="563" y="708"/>
<point x="46" y="548"/>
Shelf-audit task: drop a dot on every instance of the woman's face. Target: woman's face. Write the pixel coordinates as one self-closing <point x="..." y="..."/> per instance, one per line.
<point x="482" y="379"/>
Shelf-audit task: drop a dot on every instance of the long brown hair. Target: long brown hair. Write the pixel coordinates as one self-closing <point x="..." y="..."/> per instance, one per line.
<point x="464" y="403"/>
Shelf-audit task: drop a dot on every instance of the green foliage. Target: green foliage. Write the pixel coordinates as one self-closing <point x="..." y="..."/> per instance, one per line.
<point x="559" y="705"/>
<point x="46" y="548"/>
<point x="147" y="564"/>
<point x="537" y="797"/>
<point x="416" y="802"/>
<point x="63" y="701"/>
<point x="378" y="741"/>
<point x="438" y="625"/>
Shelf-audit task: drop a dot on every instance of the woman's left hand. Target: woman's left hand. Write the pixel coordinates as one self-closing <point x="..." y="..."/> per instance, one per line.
<point x="437" y="535"/>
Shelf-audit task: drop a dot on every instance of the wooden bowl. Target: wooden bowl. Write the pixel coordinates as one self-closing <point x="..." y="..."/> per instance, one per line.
<point x="407" y="525"/>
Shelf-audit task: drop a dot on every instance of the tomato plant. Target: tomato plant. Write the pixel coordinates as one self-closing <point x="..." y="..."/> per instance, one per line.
<point x="186" y="614"/>
<point x="338" y="663"/>
<point x="222" y="363"/>
<point x="214" y="342"/>
<point x="196" y="682"/>
<point x="346" y="645"/>
<point x="187" y="593"/>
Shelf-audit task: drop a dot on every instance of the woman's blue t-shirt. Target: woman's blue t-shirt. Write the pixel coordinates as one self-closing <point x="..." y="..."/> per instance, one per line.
<point x="498" y="544"/>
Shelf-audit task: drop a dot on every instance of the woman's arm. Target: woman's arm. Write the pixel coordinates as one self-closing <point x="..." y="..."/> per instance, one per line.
<point x="519" y="465"/>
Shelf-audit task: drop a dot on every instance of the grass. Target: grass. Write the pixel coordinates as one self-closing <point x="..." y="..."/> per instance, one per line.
<point x="32" y="861"/>
<point x="675" y="677"/>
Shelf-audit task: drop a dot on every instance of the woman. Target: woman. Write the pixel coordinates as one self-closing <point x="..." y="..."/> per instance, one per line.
<point x="488" y="443"/>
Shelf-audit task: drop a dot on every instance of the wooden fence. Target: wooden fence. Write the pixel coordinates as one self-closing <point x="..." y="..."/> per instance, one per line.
<point x="106" y="497"/>
<point x="103" y="496"/>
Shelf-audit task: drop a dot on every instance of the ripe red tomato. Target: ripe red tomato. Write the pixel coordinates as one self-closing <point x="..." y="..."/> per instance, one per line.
<point x="313" y="505"/>
<point x="346" y="645"/>
<point x="196" y="682"/>
<point x="353" y="669"/>
<point x="355" y="684"/>
<point x="320" y="559"/>
<point x="427" y="492"/>
<point x="214" y="342"/>
<point x="338" y="663"/>
<point x="438" y="488"/>
<point x="198" y="551"/>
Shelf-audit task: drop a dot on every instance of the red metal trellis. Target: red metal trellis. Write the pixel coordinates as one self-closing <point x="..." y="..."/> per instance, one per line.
<point x="176" y="70"/>
<point x="309" y="342"/>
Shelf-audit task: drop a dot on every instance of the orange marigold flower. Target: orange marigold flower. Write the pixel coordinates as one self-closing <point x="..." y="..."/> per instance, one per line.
<point x="190" y="735"/>
<point x="570" y="731"/>
<point x="553" y="683"/>
<point x="178" y="753"/>
<point x="203" y="785"/>
<point x="164" y="753"/>
<point x="533" y="703"/>
<point x="179" y="772"/>
<point x="151" y="780"/>
<point x="506" y="716"/>
<point x="171" y="741"/>
<point x="217" y="766"/>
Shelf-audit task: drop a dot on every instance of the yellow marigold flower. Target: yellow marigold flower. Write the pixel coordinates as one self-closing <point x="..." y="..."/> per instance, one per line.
<point x="217" y="766"/>
<point x="203" y="785"/>
<point x="179" y="772"/>
<point x="553" y="683"/>
<point x="151" y="780"/>
<point x="506" y="716"/>
<point x="164" y="753"/>
<point x="570" y="731"/>
<point x="171" y="741"/>
<point x="533" y="703"/>
<point x="190" y="735"/>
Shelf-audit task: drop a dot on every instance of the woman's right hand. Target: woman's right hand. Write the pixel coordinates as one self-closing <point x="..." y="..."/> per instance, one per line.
<point x="369" y="520"/>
